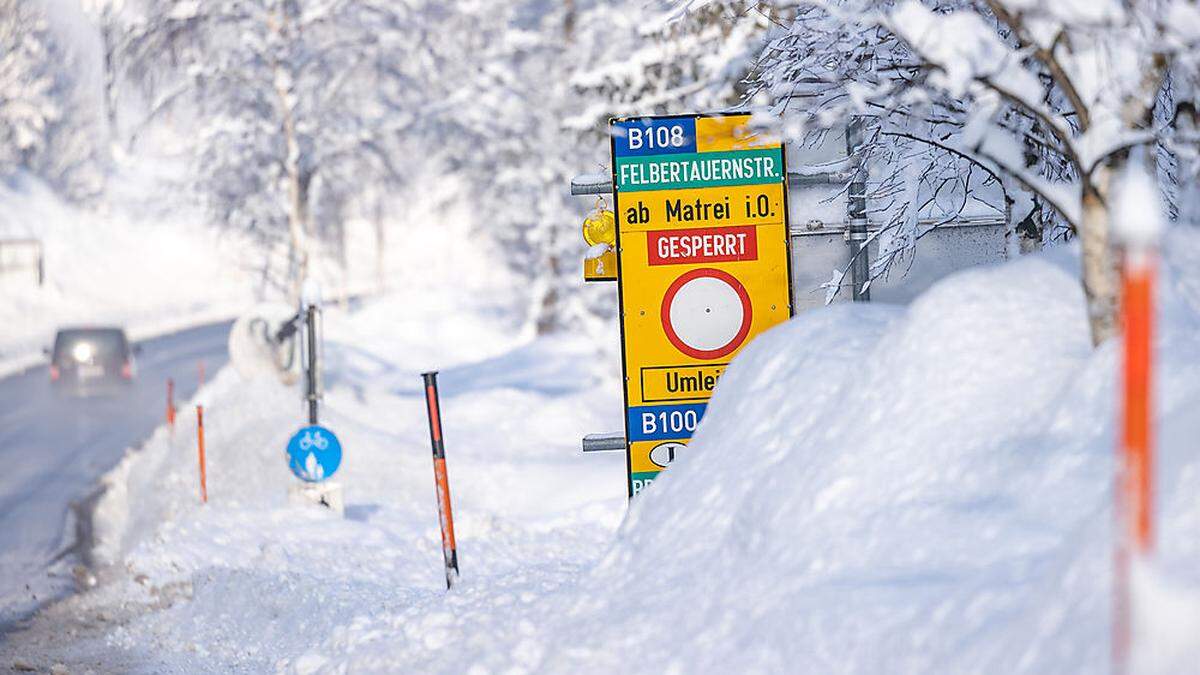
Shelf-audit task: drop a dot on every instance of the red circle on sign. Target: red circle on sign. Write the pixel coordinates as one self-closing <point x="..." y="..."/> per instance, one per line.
<point x="673" y="336"/>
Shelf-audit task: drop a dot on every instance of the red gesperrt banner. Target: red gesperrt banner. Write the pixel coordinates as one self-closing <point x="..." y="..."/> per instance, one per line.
<point x="702" y="245"/>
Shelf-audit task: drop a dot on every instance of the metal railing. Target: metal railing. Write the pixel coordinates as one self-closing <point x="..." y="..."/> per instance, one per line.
<point x="819" y="227"/>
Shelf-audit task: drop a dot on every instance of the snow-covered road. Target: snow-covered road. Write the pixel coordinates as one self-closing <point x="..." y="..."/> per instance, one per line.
<point x="54" y="449"/>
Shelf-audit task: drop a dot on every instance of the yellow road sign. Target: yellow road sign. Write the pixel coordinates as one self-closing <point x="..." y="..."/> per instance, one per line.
<point x="702" y="259"/>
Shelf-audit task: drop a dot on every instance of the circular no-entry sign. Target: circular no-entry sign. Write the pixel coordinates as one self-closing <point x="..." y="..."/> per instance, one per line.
<point x="706" y="313"/>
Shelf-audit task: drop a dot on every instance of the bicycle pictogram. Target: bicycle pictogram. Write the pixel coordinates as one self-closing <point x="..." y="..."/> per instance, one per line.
<point x="313" y="439"/>
<point x="314" y="453"/>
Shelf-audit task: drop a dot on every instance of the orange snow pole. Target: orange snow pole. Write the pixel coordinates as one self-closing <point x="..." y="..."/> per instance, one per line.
<point x="1134" y="506"/>
<point x="171" y="403"/>
<point x="445" y="515"/>
<point x="200" y="447"/>
<point x="1136" y="434"/>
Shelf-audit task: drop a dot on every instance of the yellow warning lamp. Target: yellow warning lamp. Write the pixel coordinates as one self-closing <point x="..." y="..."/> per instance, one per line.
<point x="600" y="227"/>
<point x="600" y="230"/>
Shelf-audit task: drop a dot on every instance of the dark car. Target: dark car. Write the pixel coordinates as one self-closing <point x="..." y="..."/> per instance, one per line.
<point x="91" y="360"/>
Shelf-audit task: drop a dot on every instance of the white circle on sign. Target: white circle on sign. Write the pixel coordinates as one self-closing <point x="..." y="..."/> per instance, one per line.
<point x="706" y="313"/>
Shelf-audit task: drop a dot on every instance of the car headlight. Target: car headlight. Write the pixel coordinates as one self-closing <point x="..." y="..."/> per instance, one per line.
<point x="83" y="352"/>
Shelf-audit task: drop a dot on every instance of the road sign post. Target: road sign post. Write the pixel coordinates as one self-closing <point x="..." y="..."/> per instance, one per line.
<point x="312" y="392"/>
<point x="702" y="267"/>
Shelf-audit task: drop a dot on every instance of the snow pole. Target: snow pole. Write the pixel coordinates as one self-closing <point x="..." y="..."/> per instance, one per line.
<point x="200" y="449"/>
<point x="442" y="481"/>
<point x="200" y="374"/>
<point x="1134" y="506"/>
<point x="171" y="403"/>
<point x="1136" y="434"/>
<point x="1138" y="228"/>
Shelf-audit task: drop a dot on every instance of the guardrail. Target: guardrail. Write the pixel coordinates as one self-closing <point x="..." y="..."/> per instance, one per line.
<point x="23" y="254"/>
<point x="817" y="227"/>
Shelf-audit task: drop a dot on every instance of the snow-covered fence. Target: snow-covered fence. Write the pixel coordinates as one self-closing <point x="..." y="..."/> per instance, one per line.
<point x="23" y="255"/>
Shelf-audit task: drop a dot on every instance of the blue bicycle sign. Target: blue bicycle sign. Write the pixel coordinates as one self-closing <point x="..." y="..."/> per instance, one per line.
<point x="314" y="454"/>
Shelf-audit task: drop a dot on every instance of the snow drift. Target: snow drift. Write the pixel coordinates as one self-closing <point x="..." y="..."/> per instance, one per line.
<point x="920" y="490"/>
<point x="882" y="489"/>
<point x="874" y="489"/>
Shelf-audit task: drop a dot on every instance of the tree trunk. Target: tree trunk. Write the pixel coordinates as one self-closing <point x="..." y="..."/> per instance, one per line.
<point x="297" y="228"/>
<point x="1030" y="231"/>
<point x="549" y="317"/>
<point x="296" y="186"/>
<point x="110" y="75"/>
<point x="380" y="246"/>
<point x="1099" y="268"/>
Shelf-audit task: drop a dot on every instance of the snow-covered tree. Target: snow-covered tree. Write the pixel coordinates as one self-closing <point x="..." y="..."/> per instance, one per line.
<point x="643" y="58"/>
<point x="582" y="62"/>
<point x="1021" y="106"/>
<point x="499" y="92"/>
<point x="28" y="108"/>
<point x="46" y="126"/>
<point x="296" y="106"/>
<point x="543" y="79"/>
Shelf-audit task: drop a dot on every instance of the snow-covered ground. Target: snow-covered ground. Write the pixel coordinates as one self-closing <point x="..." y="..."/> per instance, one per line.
<point x="152" y="270"/>
<point x="874" y="489"/>
<point x="528" y="505"/>
<point x="143" y="257"/>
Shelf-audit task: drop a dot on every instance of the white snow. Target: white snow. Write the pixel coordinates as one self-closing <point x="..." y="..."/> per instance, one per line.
<point x="596" y="251"/>
<point x="1137" y="220"/>
<point x="108" y="265"/>
<point x="138" y="260"/>
<point x="874" y="489"/>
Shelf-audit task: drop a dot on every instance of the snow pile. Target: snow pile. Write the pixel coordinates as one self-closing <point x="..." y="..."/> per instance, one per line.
<point x="251" y="583"/>
<point x="152" y="272"/>
<point x="874" y="489"/>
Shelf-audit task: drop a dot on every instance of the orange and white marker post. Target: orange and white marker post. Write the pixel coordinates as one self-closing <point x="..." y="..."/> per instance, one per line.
<point x="200" y="450"/>
<point x="1137" y="436"/>
<point x="441" y="479"/>
<point x="171" y="403"/>
<point x="1138" y="229"/>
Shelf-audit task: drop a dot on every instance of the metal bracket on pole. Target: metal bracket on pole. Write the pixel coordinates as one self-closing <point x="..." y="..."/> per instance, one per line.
<point x="612" y="441"/>
<point x="591" y="184"/>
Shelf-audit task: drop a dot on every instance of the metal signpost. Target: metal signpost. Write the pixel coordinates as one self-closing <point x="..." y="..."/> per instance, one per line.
<point x="313" y="373"/>
<point x="314" y="452"/>
<point x="702" y="268"/>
